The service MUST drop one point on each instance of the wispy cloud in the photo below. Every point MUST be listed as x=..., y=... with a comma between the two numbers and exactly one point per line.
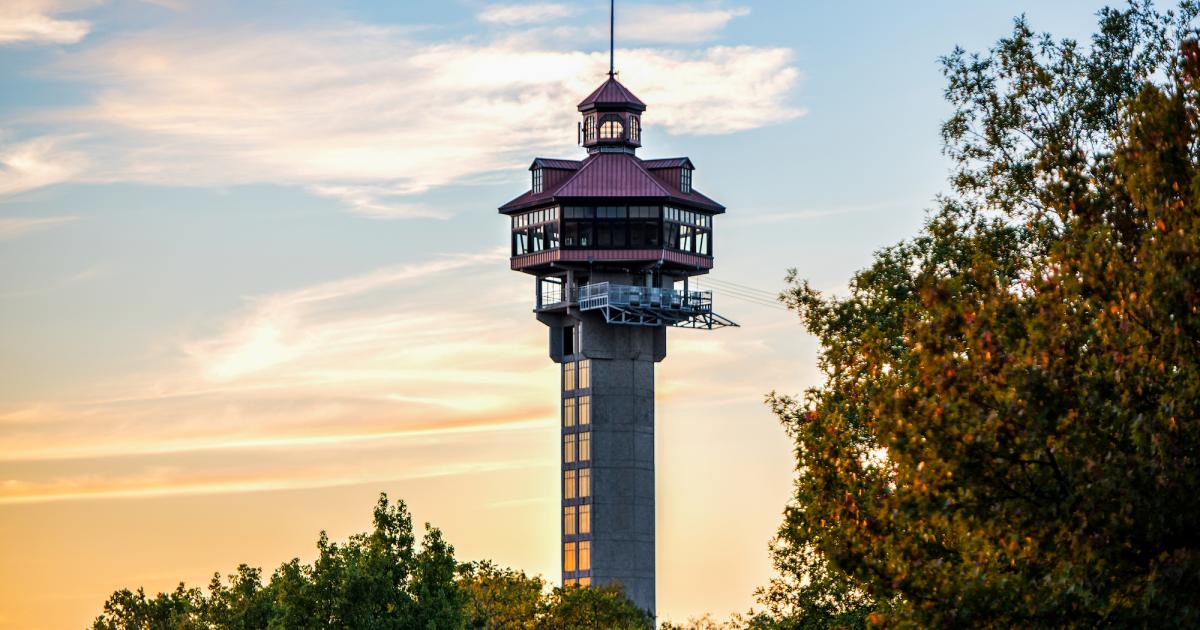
x=13, y=227
x=359, y=370
x=38, y=162
x=536, y=13
x=167, y=482
x=34, y=22
x=676, y=23
x=371, y=117
x=379, y=202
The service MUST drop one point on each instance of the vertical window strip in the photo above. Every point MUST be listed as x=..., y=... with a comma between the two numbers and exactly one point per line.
x=568, y=376
x=569, y=528
x=585, y=483
x=583, y=415
x=585, y=373
x=569, y=557
x=569, y=477
x=569, y=412
x=585, y=446
x=569, y=448
x=585, y=519
x=585, y=556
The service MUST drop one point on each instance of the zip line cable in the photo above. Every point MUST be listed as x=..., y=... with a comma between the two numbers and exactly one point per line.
x=743, y=293
x=735, y=285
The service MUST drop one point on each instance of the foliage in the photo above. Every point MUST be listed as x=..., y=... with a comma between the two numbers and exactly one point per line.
x=376, y=580
x=1008, y=431
x=597, y=607
x=500, y=598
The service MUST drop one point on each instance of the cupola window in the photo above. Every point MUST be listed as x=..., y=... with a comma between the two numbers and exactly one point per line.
x=612, y=129
x=589, y=129
x=537, y=180
x=685, y=180
x=635, y=129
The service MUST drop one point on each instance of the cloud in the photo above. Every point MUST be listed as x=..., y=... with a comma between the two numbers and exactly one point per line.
x=371, y=117
x=536, y=13
x=292, y=326
x=393, y=349
x=32, y=22
x=36, y=163
x=675, y=23
x=379, y=202
x=13, y=227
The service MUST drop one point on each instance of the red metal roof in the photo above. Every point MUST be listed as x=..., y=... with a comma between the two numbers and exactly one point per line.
x=566, y=165
x=608, y=175
x=612, y=93
x=678, y=162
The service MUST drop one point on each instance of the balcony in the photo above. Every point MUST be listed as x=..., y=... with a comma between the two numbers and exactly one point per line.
x=628, y=305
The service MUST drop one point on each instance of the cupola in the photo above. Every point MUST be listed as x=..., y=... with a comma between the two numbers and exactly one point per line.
x=612, y=119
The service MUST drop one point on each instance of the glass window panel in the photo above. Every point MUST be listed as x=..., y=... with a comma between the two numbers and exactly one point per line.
x=569, y=520
x=569, y=412
x=612, y=129
x=652, y=231
x=569, y=448
x=585, y=581
x=569, y=477
x=585, y=483
x=585, y=446
x=585, y=373
x=585, y=555
x=603, y=235
x=572, y=582
x=569, y=556
x=637, y=236
x=585, y=519
x=583, y=414
x=568, y=376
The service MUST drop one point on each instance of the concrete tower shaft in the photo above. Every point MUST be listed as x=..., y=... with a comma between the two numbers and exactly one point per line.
x=611, y=241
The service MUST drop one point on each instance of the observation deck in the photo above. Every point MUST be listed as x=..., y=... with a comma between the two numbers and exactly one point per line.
x=638, y=306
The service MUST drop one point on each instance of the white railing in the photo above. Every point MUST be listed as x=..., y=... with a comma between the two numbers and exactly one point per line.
x=603, y=294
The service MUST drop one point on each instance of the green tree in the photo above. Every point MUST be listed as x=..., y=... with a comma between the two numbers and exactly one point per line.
x=595, y=608
x=439, y=600
x=496, y=598
x=243, y=605
x=375, y=580
x=1008, y=431
x=127, y=610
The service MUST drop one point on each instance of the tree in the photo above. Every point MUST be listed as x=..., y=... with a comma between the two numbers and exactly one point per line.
x=1008, y=431
x=496, y=598
x=594, y=608
x=375, y=580
x=127, y=610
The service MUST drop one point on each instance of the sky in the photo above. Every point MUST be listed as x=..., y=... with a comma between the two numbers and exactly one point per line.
x=252, y=273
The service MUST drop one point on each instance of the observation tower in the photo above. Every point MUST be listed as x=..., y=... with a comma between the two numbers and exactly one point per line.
x=611, y=241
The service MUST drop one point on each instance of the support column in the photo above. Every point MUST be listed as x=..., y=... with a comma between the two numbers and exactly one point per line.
x=608, y=456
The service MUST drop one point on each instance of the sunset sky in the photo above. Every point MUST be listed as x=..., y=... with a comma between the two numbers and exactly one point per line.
x=252, y=273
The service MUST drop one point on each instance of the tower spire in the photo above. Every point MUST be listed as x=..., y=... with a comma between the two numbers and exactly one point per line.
x=612, y=36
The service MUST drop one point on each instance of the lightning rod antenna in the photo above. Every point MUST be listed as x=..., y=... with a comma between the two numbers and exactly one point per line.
x=612, y=37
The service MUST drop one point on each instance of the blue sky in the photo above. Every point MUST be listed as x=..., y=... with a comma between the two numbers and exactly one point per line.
x=251, y=250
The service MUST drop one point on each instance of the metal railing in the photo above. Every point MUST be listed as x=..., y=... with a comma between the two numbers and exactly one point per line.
x=602, y=294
